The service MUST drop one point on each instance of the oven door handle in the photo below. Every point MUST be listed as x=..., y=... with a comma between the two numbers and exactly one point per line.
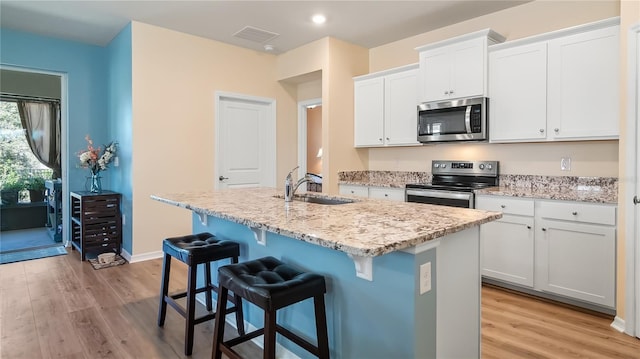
x=440, y=194
x=467, y=119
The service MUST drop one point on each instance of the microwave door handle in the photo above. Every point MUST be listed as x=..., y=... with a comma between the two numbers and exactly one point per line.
x=467, y=119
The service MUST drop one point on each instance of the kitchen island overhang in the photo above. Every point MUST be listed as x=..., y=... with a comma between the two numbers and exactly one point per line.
x=394, y=315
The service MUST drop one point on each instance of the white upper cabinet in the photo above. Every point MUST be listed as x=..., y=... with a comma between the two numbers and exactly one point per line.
x=584, y=79
x=369, y=112
x=385, y=108
x=455, y=68
x=518, y=93
x=558, y=86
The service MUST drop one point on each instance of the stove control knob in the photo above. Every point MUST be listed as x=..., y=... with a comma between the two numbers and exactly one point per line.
x=437, y=165
x=489, y=166
x=481, y=166
x=444, y=165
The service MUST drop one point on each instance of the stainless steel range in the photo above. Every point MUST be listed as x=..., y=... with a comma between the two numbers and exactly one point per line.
x=453, y=183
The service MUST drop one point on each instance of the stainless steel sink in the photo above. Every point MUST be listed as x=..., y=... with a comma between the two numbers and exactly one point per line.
x=320, y=200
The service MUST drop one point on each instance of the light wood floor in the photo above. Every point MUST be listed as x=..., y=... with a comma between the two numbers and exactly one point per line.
x=61, y=307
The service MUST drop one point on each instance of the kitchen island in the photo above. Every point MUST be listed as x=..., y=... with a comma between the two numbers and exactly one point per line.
x=403, y=279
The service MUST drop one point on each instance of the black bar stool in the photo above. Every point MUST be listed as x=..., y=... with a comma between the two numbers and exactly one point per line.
x=271, y=285
x=192, y=250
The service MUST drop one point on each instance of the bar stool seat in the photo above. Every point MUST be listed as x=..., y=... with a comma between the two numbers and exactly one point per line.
x=271, y=285
x=195, y=249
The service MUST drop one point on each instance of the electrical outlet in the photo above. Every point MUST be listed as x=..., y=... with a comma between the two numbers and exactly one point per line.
x=425, y=277
x=565, y=163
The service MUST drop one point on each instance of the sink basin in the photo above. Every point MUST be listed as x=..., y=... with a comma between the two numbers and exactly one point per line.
x=320, y=200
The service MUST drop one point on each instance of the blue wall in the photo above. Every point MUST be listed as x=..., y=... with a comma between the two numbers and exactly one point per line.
x=85, y=67
x=99, y=100
x=119, y=116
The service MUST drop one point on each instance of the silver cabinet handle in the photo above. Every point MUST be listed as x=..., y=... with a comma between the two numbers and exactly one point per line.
x=544, y=229
x=556, y=129
x=380, y=139
x=574, y=213
x=450, y=92
x=387, y=138
x=222, y=178
x=446, y=92
x=528, y=227
x=386, y=195
x=636, y=200
x=542, y=130
x=502, y=206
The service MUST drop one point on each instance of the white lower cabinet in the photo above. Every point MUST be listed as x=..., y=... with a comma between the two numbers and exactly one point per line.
x=354, y=190
x=566, y=248
x=507, y=244
x=395, y=194
x=576, y=257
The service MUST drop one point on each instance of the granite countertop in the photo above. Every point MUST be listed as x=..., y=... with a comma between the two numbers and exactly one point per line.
x=595, y=195
x=565, y=188
x=366, y=227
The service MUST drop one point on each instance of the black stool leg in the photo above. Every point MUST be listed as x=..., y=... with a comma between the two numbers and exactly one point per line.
x=321, y=327
x=164, y=289
x=269, y=334
x=208, y=285
x=237, y=301
x=191, y=310
x=218, y=329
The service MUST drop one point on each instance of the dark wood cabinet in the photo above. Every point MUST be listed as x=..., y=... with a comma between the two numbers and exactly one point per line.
x=96, y=222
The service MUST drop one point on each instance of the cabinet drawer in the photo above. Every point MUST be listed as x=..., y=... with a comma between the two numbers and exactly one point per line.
x=507, y=205
x=578, y=212
x=353, y=190
x=395, y=194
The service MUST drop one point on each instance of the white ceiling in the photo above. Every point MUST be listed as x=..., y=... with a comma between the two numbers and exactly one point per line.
x=365, y=23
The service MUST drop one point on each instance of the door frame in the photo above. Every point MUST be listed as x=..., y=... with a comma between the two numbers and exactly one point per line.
x=64, y=143
x=302, y=131
x=270, y=134
x=632, y=229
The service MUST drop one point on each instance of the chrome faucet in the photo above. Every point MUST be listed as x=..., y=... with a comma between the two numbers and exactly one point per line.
x=290, y=188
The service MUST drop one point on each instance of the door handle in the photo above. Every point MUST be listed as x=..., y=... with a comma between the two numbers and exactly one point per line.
x=222, y=178
x=636, y=200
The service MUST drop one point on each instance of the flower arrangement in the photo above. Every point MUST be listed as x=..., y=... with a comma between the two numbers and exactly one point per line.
x=93, y=160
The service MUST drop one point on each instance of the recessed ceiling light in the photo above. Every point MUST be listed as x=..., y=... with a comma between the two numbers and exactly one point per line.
x=268, y=47
x=319, y=19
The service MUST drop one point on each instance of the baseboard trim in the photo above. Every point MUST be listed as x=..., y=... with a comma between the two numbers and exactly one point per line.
x=618, y=324
x=282, y=352
x=140, y=257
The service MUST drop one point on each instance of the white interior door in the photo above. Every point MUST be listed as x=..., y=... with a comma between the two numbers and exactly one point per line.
x=636, y=159
x=632, y=181
x=245, y=141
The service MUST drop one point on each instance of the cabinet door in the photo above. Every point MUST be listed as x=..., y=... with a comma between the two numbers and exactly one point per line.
x=368, y=112
x=400, y=108
x=395, y=194
x=435, y=79
x=507, y=249
x=518, y=93
x=576, y=260
x=354, y=190
x=584, y=81
x=468, y=68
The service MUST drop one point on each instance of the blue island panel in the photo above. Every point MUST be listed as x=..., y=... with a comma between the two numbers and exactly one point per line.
x=383, y=318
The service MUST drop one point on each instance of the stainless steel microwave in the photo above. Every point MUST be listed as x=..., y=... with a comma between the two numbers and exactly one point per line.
x=456, y=120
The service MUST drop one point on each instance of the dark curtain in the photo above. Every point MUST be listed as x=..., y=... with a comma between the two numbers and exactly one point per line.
x=41, y=120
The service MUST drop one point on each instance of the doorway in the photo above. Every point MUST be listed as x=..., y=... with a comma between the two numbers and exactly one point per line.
x=310, y=151
x=245, y=137
x=33, y=134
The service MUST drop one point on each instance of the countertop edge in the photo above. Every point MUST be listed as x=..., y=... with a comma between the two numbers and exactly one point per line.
x=363, y=252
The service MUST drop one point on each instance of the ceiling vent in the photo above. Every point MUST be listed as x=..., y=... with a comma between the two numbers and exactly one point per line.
x=256, y=35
